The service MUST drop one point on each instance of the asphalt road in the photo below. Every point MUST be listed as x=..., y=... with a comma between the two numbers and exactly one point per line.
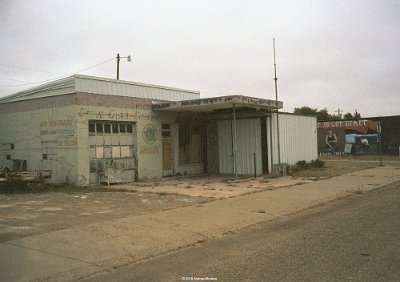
x=357, y=239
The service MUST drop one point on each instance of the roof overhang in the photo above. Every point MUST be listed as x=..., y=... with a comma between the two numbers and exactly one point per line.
x=216, y=103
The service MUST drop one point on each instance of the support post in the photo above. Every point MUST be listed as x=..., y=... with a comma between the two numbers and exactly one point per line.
x=270, y=142
x=235, y=169
x=380, y=142
x=278, y=141
x=255, y=165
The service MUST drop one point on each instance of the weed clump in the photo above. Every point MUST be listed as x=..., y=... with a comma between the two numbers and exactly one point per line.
x=303, y=165
x=317, y=163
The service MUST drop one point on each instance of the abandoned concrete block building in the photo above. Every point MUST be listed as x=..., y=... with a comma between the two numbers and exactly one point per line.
x=85, y=128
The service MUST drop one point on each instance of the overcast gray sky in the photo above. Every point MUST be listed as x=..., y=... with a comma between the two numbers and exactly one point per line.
x=330, y=53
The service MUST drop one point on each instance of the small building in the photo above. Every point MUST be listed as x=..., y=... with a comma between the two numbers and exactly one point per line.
x=390, y=134
x=88, y=130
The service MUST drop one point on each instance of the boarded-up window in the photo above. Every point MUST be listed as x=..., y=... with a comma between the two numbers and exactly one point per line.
x=107, y=152
x=190, y=143
x=99, y=152
x=125, y=151
x=116, y=151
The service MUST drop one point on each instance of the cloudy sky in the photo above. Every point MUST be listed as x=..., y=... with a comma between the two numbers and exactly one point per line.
x=330, y=53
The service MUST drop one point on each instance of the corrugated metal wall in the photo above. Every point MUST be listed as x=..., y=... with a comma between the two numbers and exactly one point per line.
x=298, y=138
x=225, y=145
x=211, y=147
x=131, y=89
x=248, y=142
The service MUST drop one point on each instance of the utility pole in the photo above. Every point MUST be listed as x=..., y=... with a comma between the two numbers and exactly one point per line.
x=234, y=153
x=118, y=60
x=339, y=112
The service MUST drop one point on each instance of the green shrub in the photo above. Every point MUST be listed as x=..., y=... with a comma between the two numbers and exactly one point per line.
x=302, y=165
x=317, y=163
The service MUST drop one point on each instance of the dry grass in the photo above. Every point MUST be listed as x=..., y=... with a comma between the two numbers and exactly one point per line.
x=374, y=158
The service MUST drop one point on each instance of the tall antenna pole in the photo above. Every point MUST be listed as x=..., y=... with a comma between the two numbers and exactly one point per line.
x=277, y=114
x=276, y=79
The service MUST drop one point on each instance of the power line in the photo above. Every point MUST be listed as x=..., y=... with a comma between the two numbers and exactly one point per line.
x=30, y=83
x=47, y=80
x=25, y=68
x=95, y=65
x=6, y=78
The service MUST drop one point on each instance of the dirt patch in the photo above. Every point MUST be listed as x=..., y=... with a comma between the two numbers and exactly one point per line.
x=29, y=214
x=36, y=212
x=217, y=187
x=222, y=187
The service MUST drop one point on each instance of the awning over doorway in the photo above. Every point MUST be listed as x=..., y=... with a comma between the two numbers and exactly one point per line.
x=215, y=103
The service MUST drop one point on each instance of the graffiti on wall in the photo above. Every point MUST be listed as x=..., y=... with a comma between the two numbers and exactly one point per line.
x=149, y=135
x=82, y=180
x=117, y=115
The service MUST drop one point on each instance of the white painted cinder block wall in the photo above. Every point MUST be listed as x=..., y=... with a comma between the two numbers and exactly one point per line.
x=148, y=152
x=29, y=130
x=68, y=126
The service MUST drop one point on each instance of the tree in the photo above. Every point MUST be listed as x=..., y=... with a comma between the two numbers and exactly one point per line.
x=323, y=114
x=348, y=116
x=305, y=110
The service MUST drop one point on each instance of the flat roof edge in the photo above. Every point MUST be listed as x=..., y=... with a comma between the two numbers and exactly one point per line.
x=239, y=100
